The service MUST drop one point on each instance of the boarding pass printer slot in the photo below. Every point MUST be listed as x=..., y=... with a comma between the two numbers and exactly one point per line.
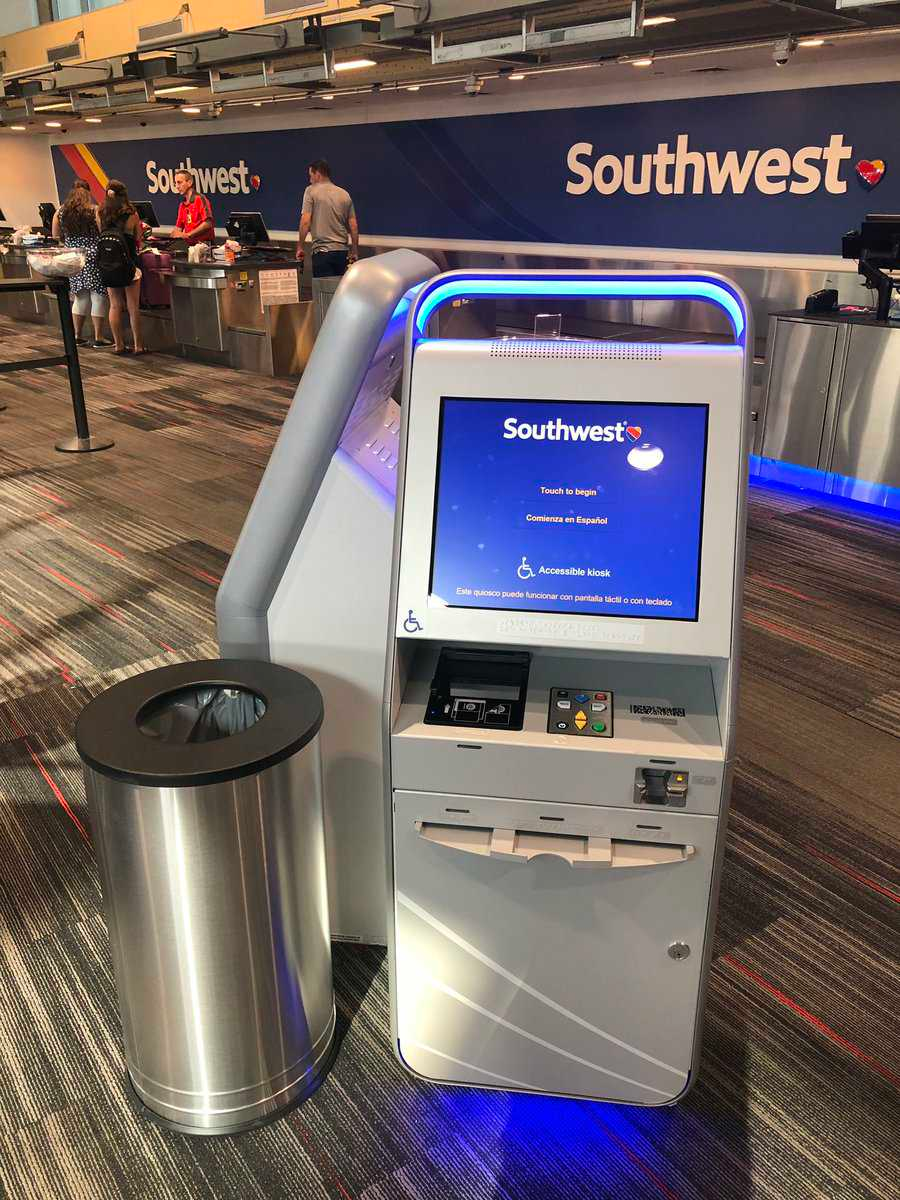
x=522, y=845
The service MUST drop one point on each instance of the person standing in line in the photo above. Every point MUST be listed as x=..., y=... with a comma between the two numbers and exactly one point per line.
x=194, y=222
x=329, y=216
x=75, y=225
x=117, y=258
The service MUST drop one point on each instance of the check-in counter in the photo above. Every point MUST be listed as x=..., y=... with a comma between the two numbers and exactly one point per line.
x=832, y=395
x=35, y=307
x=243, y=315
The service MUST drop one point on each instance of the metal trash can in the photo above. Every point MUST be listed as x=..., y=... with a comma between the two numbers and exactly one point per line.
x=205, y=794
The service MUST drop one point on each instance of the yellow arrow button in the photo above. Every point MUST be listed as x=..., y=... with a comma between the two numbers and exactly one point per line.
x=580, y=720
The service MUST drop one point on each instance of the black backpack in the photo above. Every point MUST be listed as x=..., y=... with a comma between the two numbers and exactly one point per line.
x=114, y=260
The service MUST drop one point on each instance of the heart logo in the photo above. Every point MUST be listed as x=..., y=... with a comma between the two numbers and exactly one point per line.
x=871, y=171
x=634, y=432
x=255, y=182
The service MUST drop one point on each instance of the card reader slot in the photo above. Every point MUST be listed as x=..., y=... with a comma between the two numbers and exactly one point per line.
x=522, y=845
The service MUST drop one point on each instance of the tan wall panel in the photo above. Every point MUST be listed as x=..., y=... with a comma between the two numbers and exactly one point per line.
x=112, y=31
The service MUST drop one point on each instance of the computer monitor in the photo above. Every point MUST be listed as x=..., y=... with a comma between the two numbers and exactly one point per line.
x=147, y=213
x=248, y=228
x=47, y=211
x=570, y=507
x=876, y=245
x=586, y=505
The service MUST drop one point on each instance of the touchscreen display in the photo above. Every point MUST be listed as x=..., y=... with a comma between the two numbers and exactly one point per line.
x=561, y=506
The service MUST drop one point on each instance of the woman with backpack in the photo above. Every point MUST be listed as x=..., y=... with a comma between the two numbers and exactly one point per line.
x=117, y=259
x=75, y=225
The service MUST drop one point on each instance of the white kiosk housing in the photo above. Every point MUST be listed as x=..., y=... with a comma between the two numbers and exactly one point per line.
x=308, y=583
x=560, y=693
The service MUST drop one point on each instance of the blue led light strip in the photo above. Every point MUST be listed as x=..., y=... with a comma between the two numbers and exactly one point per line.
x=642, y=287
x=836, y=488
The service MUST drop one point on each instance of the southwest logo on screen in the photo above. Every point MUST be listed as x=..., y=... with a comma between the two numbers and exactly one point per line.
x=680, y=171
x=560, y=431
x=224, y=181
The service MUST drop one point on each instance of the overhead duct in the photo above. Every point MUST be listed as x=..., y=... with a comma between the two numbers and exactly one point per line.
x=529, y=38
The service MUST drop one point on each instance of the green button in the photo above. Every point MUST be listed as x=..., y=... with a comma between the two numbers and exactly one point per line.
x=598, y=727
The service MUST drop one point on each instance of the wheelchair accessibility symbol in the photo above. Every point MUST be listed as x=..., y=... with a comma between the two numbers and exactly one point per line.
x=412, y=624
x=524, y=570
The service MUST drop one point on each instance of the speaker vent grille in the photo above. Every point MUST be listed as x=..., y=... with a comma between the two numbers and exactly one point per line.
x=522, y=348
x=62, y=53
x=160, y=29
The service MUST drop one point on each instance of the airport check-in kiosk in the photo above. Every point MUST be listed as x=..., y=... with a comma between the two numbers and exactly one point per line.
x=309, y=580
x=560, y=694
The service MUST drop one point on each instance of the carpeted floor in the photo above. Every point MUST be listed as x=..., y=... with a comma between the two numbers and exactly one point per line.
x=109, y=564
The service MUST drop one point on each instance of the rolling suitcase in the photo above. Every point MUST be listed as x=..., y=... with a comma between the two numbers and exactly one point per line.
x=156, y=290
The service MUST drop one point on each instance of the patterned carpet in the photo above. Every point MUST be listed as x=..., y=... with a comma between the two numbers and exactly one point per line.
x=109, y=564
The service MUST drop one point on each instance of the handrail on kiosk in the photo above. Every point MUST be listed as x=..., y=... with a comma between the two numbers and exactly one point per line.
x=673, y=285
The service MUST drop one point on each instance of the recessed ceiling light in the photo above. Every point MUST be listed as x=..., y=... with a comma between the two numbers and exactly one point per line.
x=327, y=96
x=642, y=62
x=810, y=43
x=94, y=120
x=355, y=64
x=413, y=87
x=658, y=21
x=53, y=124
x=178, y=87
x=516, y=75
x=257, y=103
x=18, y=128
x=190, y=108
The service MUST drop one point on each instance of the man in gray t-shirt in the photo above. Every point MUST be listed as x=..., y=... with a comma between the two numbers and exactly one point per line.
x=328, y=215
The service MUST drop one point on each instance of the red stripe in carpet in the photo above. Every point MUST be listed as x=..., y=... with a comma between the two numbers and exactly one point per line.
x=51, y=783
x=816, y=1023
x=661, y=1186
x=863, y=879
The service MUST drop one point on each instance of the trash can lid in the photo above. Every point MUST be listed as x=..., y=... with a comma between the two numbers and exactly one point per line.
x=199, y=723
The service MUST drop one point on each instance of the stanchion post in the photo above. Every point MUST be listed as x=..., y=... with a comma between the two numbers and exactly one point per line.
x=82, y=440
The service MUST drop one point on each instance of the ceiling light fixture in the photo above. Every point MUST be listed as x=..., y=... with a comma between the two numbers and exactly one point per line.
x=178, y=87
x=413, y=87
x=94, y=120
x=18, y=128
x=811, y=43
x=517, y=75
x=53, y=124
x=658, y=21
x=190, y=108
x=50, y=107
x=641, y=62
x=327, y=96
x=355, y=64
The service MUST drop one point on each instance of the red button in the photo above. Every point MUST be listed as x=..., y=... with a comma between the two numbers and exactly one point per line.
x=599, y=695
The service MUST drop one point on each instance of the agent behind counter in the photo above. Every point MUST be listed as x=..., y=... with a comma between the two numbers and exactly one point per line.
x=195, y=217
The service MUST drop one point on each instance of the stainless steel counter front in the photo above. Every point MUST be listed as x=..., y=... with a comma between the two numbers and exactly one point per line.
x=832, y=395
x=219, y=317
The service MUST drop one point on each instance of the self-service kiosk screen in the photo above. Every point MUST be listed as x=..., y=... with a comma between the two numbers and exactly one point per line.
x=561, y=506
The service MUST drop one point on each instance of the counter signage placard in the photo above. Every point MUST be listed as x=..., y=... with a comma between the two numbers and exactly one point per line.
x=279, y=286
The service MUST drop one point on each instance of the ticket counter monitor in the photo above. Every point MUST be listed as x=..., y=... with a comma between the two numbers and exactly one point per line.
x=309, y=580
x=560, y=695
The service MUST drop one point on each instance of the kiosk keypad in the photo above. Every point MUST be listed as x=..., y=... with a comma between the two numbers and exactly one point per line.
x=581, y=712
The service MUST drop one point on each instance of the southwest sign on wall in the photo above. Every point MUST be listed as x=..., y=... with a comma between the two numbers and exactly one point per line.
x=767, y=172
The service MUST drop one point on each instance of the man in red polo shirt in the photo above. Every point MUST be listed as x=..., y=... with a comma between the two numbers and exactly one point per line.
x=195, y=219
